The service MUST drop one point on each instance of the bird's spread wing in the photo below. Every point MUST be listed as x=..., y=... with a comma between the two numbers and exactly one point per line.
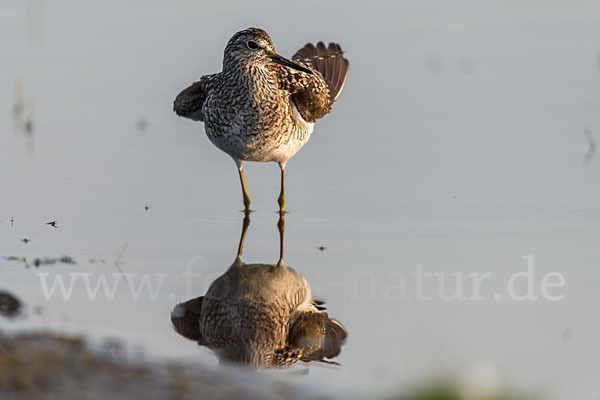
x=313, y=95
x=330, y=63
x=190, y=101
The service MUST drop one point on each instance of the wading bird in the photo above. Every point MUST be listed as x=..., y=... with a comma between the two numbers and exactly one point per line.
x=262, y=106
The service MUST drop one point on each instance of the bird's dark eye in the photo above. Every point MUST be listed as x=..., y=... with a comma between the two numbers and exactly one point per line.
x=252, y=45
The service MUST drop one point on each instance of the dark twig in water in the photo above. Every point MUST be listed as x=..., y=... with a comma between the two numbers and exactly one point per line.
x=42, y=261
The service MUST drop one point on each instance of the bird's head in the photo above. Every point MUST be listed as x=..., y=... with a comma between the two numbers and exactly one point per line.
x=253, y=47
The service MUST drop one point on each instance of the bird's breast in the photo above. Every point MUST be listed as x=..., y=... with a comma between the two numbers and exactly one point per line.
x=255, y=122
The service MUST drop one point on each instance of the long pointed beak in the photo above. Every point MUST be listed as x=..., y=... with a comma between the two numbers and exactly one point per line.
x=276, y=58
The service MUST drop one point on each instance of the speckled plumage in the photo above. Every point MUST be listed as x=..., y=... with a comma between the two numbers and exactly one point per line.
x=257, y=110
x=262, y=107
x=261, y=316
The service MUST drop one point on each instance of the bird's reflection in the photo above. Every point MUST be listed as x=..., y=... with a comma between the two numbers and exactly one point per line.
x=260, y=315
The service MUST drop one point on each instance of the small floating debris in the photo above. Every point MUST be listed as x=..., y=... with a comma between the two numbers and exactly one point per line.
x=321, y=248
x=10, y=306
x=52, y=223
x=50, y=261
x=39, y=261
x=25, y=240
x=15, y=258
x=46, y=261
x=146, y=208
x=66, y=260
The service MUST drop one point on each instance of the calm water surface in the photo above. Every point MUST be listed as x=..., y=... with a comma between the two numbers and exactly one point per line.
x=456, y=148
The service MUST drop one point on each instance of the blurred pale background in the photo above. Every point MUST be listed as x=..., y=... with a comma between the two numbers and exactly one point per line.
x=457, y=145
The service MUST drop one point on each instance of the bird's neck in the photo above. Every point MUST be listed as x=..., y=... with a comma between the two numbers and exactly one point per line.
x=251, y=77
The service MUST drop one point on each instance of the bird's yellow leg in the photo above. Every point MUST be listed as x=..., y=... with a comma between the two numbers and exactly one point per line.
x=281, y=199
x=281, y=227
x=245, y=226
x=244, y=189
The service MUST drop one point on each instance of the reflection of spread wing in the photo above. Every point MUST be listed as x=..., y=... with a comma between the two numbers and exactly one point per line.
x=185, y=318
x=330, y=62
x=190, y=101
x=335, y=336
x=317, y=335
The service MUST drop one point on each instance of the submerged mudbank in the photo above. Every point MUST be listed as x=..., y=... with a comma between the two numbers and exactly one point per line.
x=44, y=365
